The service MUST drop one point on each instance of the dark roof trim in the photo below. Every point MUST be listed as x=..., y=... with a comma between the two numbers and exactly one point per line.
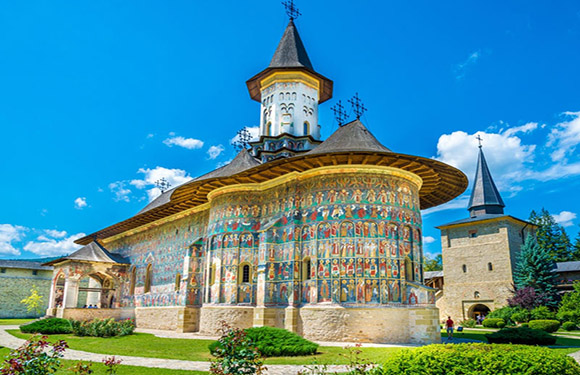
x=24, y=264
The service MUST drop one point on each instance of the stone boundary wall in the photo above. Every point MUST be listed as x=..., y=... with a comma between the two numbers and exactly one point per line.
x=90, y=314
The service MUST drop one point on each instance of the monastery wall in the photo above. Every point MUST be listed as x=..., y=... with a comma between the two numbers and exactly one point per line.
x=15, y=285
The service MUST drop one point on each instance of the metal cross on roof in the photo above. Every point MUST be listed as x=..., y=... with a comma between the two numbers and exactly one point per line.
x=243, y=139
x=339, y=113
x=357, y=106
x=291, y=9
x=479, y=139
x=162, y=184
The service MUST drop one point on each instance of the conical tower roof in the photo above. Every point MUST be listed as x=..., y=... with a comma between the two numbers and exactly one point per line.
x=351, y=137
x=485, y=198
x=291, y=52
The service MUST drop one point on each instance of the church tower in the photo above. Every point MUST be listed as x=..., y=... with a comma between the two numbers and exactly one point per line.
x=289, y=91
x=480, y=252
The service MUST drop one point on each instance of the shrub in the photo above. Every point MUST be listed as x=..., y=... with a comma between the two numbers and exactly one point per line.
x=493, y=322
x=475, y=359
x=542, y=313
x=525, y=325
x=274, y=342
x=235, y=354
x=469, y=323
x=49, y=326
x=569, y=310
x=522, y=316
x=103, y=327
x=569, y=326
x=545, y=325
x=34, y=358
x=500, y=325
x=528, y=298
x=521, y=335
x=504, y=313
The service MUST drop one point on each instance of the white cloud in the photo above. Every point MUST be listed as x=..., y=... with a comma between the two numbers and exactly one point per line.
x=565, y=136
x=44, y=246
x=175, y=177
x=254, y=132
x=428, y=239
x=215, y=151
x=565, y=218
x=526, y=128
x=55, y=233
x=460, y=202
x=461, y=68
x=80, y=203
x=122, y=194
x=150, y=135
x=188, y=143
x=8, y=234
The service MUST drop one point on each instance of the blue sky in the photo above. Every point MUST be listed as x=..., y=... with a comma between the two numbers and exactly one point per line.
x=100, y=99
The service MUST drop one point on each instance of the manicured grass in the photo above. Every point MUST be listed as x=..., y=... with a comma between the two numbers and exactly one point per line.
x=14, y=322
x=99, y=368
x=480, y=335
x=147, y=345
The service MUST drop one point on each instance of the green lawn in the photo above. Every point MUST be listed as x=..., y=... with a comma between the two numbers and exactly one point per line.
x=99, y=368
x=147, y=345
x=16, y=322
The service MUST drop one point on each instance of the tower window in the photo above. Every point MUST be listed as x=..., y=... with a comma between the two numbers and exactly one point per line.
x=490, y=266
x=464, y=267
x=472, y=233
x=269, y=129
x=306, y=128
x=35, y=272
x=476, y=295
x=281, y=96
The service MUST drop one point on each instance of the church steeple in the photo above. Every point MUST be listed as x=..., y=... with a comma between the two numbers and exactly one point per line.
x=485, y=198
x=291, y=52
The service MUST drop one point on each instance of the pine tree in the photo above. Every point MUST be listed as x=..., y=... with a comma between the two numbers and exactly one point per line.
x=551, y=236
x=435, y=264
x=563, y=245
x=575, y=251
x=534, y=269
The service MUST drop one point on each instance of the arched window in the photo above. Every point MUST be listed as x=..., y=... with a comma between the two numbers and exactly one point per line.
x=306, y=128
x=132, y=280
x=212, y=274
x=306, y=269
x=490, y=266
x=287, y=96
x=293, y=96
x=269, y=129
x=476, y=295
x=245, y=273
x=281, y=96
x=148, y=281
x=409, y=274
x=464, y=267
x=177, y=282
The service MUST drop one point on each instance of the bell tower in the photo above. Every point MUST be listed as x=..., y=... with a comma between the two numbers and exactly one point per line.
x=289, y=91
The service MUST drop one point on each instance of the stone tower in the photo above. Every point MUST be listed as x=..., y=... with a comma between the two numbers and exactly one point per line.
x=289, y=91
x=480, y=252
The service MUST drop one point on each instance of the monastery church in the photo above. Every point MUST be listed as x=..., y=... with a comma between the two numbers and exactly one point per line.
x=320, y=237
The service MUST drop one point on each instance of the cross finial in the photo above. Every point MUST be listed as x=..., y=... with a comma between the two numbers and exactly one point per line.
x=162, y=184
x=357, y=106
x=243, y=139
x=291, y=9
x=479, y=139
x=339, y=113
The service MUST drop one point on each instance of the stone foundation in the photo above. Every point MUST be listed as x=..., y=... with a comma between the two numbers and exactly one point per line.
x=90, y=314
x=175, y=318
x=237, y=316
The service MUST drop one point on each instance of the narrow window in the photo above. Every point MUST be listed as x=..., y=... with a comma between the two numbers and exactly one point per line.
x=490, y=266
x=476, y=295
x=246, y=273
x=269, y=129
x=306, y=128
x=409, y=275
x=212, y=275
x=177, y=282
x=3, y=270
x=306, y=269
x=472, y=233
x=281, y=96
x=132, y=281
x=35, y=272
x=147, y=286
x=464, y=268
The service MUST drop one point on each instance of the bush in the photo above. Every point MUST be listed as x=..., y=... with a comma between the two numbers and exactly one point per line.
x=569, y=310
x=545, y=325
x=522, y=316
x=235, y=353
x=569, y=326
x=493, y=322
x=521, y=335
x=525, y=325
x=469, y=323
x=103, y=327
x=542, y=313
x=49, y=326
x=504, y=313
x=475, y=359
x=500, y=325
x=34, y=357
x=275, y=342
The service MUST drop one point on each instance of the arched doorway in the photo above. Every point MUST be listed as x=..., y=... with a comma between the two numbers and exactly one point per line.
x=478, y=310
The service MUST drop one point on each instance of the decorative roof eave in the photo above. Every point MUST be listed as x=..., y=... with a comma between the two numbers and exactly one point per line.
x=326, y=85
x=285, y=135
x=489, y=218
x=92, y=252
x=441, y=183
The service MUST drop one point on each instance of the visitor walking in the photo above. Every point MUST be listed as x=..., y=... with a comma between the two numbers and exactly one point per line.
x=449, y=326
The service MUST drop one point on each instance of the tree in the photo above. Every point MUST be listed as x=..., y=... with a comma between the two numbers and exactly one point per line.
x=435, y=264
x=575, y=252
x=569, y=310
x=534, y=269
x=551, y=236
x=34, y=302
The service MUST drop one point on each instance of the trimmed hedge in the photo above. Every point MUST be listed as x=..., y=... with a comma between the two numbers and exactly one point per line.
x=493, y=322
x=521, y=335
x=49, y=326
x=275, y=342
x=479, y=359
x=569, y=326
x=545, y=325
x=103, y=327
